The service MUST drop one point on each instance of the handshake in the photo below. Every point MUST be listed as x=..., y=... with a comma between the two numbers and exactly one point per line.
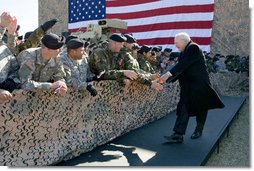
x=158, y=81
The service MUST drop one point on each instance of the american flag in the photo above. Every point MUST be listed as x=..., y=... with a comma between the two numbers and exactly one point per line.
x=152, y=22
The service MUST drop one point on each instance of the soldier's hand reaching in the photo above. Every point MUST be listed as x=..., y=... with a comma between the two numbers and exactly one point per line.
x=12, y=27
x=48, y=24
x=163, y=78
x=5, y=95
x=155, y=76
x=6, y=19
x=59, y=87
x=130, y=74
x=156, y=86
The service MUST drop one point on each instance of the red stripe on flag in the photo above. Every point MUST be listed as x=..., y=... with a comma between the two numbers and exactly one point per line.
x=118, y=3
x=170, y=26
x=170, y=40
x=163, y=11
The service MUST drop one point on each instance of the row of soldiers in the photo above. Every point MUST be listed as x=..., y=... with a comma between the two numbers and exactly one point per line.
x=49, y=62
x=221, y=63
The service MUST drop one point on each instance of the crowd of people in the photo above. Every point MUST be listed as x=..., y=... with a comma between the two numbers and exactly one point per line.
x=50, y=62
x=233, y=63
x=55, y=63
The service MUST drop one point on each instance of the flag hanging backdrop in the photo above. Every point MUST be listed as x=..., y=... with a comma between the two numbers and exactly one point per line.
x=152, y=22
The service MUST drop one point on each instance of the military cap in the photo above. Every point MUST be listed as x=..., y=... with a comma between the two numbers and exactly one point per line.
x=130, y=38
x=145, y=48
x=53, y=41
x=135, y=47
x=27, y=35
x=168, y=50
x=117, y=37
x=75, y=44
x=68, y=38
x=156, y=49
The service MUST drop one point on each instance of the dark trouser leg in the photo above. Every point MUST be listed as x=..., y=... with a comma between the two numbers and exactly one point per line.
x=181, y=120
x=200, y=119
x=8, y=84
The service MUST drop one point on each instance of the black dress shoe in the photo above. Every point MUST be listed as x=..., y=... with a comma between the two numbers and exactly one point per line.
x=174, y=138
x=196, y=134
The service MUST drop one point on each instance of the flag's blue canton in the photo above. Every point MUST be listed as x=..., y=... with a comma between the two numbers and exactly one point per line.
x=83, y=10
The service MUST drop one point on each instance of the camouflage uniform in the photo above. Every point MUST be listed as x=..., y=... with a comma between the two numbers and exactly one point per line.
x=76, y=72
x=2, y=31
x=8, y=65
x=103, y=59
x=32, y=42
x=145, y=64
x=35, y=73
x=127, y=62
x=156, y=65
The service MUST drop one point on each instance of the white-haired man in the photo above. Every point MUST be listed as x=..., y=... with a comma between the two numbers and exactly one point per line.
x=196, y=94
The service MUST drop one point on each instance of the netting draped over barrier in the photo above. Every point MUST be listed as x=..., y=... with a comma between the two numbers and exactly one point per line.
x=41, y=128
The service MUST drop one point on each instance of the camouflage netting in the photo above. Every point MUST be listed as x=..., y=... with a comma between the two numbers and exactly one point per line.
x=40, y=128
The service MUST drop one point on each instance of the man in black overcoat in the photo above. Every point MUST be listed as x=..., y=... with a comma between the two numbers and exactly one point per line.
x=196, y=94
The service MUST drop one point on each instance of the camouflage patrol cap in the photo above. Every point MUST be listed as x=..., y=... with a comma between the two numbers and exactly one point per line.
x=53, y=41
x=130, y=38
x=75, y=44
x=117, y=37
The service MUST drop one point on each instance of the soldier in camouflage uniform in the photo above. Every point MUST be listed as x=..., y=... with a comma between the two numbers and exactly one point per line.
x=8, y=64
x=128, y=62
x=41, y=68
x=107, y=60
x=156, y=61
x=32, y=41
x=143, y=54
x=76, y=67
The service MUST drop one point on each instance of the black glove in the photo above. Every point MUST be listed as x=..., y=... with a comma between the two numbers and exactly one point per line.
x=49, y=24
x=92, y=91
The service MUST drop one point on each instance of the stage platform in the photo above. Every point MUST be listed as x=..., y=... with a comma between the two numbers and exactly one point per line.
x=146, y=146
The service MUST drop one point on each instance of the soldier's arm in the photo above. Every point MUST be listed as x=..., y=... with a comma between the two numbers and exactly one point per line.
x=32, y=41
x=59, y=75
x=26, y=75
x=14, y=70
x=71, y=78
x=99, y=64
x=2, y=31
x=132, y=64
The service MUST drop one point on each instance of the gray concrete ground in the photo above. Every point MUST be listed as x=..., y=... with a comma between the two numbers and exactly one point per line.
x=234, y=149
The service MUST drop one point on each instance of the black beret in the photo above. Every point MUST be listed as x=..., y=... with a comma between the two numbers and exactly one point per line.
x=156, y=49
x=167, y=50
x=117, y=37
x=135, y=47
x=27, y=35
x=53, y=41
x=68, y=38
x=130, y=38
x=145, y=48
x=75, y=44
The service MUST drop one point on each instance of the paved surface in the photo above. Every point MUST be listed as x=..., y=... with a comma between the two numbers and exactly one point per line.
x=235, y=148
